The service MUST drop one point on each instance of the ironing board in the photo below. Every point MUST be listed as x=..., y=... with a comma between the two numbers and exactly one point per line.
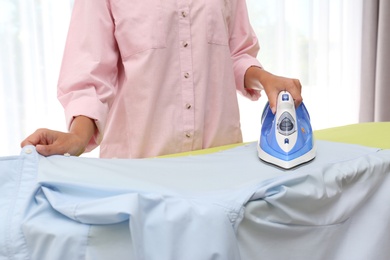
x=372, y=134
x=222, y=204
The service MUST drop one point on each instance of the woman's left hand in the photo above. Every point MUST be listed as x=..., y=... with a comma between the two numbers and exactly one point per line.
x=273, y=85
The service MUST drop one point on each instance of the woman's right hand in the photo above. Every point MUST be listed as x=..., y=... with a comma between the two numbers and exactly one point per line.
x=49, y=142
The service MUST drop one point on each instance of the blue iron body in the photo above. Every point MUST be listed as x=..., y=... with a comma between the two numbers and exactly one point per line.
x=286, y=138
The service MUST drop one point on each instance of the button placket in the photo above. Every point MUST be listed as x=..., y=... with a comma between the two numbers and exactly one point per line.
x=186, y=74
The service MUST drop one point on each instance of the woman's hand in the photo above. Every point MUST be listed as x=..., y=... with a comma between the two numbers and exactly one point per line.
x=49, y=142
x=273, y=85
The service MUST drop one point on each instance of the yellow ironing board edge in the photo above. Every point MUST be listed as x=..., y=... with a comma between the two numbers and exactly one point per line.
x=372, y=134
x=205, y=151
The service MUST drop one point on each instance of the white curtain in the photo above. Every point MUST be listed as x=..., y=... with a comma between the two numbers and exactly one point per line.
x=32, y=34
x=317, y=41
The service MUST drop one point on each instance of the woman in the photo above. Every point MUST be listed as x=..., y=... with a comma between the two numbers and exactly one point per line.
x=152, y=77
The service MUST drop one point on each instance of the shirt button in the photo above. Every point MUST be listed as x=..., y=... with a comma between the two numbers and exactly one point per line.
x=188, y=135
x=184, y=14
x=186, y=75
x=188, y=106
x=185, y=44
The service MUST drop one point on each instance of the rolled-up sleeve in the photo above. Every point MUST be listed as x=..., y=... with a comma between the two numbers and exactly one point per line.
x=244, y=45
x=88, y=76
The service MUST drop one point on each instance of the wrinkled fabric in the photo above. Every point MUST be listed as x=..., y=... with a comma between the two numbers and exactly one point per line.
x=227, y=205
x=158, y=77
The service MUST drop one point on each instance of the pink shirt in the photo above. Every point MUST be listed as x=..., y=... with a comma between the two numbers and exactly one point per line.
x=158, y=77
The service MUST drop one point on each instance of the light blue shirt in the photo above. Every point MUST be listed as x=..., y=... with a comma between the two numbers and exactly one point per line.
x=227, y=205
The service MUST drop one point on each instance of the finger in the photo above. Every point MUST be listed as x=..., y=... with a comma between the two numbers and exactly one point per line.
x=272, y=99
x=25, y=143
x=51, y=149
x=61, y=147
x=34, y=139
x=295, y=91
x=253, y=94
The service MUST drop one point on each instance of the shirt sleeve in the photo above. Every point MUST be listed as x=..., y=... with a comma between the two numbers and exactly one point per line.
x=243, y=44
x=88, y=76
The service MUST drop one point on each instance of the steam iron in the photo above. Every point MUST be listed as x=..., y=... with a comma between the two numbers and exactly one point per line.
x=286, y=138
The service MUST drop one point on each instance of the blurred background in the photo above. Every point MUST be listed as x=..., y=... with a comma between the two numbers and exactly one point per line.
x=317, y=41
